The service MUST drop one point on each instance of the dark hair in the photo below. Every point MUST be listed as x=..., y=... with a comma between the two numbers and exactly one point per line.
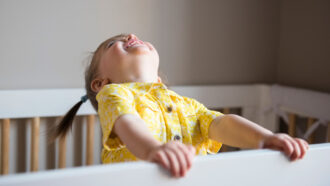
x=66, y=122
x=91, y=72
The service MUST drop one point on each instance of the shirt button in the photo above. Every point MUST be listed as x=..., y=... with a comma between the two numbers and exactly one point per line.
x=177, y=137
x=169, y=109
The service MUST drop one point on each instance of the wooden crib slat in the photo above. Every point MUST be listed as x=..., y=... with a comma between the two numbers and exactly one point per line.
x=35, y=128
x=62, y=152
x=5, y=146
x=310, y=122
x=292, y=125
x=90, y=139
x=226, y=110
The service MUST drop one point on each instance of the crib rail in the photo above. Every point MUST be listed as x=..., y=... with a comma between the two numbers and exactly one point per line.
x=290, y=103
x=259, y=103
x=232, y=168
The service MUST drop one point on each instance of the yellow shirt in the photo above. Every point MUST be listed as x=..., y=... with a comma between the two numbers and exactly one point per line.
x=167, y=115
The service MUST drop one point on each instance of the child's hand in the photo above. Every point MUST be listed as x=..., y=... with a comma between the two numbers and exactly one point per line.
x=174, y=156
x=294, y=148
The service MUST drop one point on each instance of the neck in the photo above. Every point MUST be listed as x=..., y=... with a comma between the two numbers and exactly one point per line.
x=140, y=80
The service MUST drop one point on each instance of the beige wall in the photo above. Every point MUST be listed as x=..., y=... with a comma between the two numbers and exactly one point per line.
x=304, y=53
x=44, y=43
x=236, y=42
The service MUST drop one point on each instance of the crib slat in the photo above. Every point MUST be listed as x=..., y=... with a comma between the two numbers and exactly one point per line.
x=5, y=146
x=226, y=110
x=310, y=122
x=62, y=152
x=90, y=139
x=35, y=144
x=292, y=125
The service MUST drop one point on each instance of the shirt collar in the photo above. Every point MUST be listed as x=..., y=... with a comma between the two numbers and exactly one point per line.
x=144, y=87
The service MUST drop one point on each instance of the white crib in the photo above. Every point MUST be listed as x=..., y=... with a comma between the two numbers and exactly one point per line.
x=250, y=167
x=37, y=110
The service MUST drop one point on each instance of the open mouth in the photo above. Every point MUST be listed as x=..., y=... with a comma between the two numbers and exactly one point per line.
x=133, y=42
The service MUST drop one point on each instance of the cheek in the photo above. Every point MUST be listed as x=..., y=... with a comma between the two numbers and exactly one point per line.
x=107, y=66
x=103, y=68
x=118, y=49
x=113, y=65
x=118, y=57
x=115, y=56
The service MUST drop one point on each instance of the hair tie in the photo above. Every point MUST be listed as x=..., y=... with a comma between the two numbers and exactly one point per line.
x=84, y=98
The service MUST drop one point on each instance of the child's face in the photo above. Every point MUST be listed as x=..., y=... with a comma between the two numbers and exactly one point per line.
x=129, y=59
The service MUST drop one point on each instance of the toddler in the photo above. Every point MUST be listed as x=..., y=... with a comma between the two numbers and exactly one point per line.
x=142, y=119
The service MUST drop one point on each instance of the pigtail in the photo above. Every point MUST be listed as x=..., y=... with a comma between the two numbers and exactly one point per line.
x=91, y=73
x=66, y=123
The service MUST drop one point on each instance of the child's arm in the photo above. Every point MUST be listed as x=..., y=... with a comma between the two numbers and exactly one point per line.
x=239, y=132
x=134, y=133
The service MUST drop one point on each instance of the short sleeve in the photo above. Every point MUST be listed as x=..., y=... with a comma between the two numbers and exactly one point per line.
x=113, y=102
x=205, y=118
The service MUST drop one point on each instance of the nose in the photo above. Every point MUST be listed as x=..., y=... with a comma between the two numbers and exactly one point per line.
x=131, y=36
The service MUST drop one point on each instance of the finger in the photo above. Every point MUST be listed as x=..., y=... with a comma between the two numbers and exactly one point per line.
x=280, y=143
x=188, y=155
x=274, y=143
x=296, y=149
x=287, y=146
x=306, y=144
x=173, y=162
x=302, y=146
x=192, y=149
x=181, y=158
x=162, y=158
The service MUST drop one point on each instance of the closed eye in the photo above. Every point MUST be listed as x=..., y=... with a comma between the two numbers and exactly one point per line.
x=123, y=39
x=110, y=44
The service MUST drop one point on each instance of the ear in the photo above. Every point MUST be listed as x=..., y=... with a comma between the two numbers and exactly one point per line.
x=159, y=80
x=98, y=83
